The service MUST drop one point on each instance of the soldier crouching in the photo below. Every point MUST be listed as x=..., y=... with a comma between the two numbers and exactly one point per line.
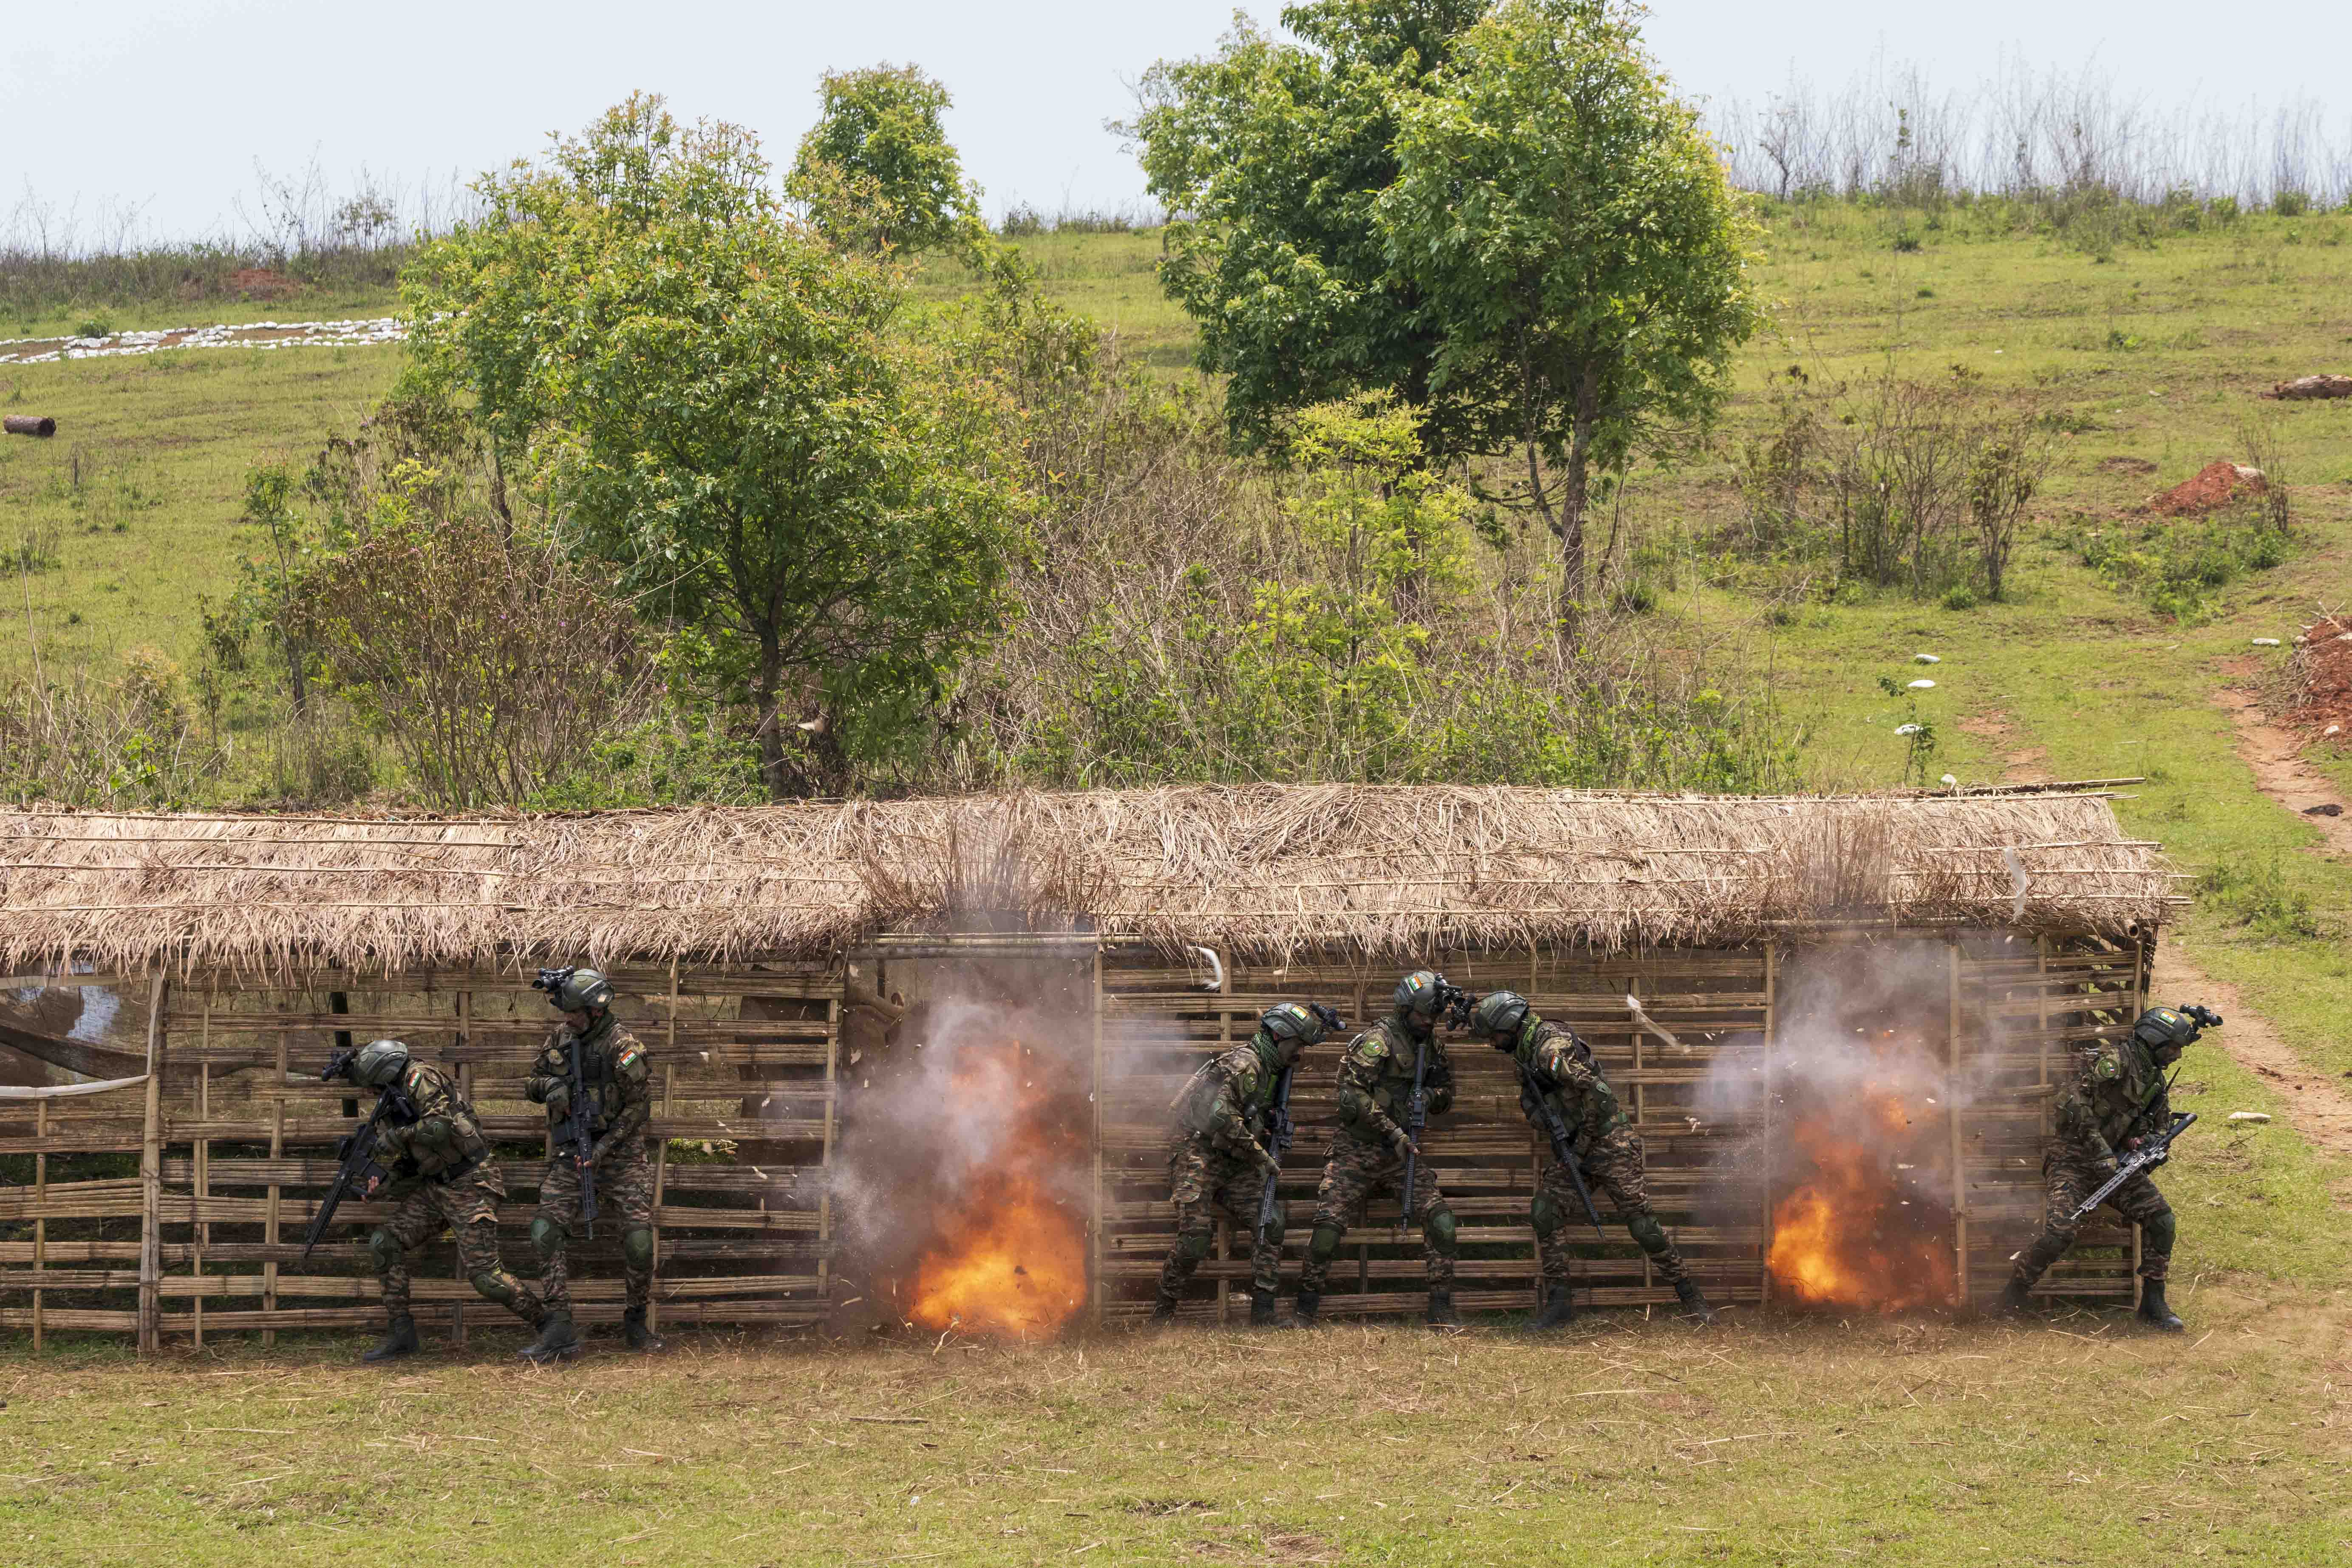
x=2117, y=1100
x=442, y=1175
x=1554, y=1064
x=1219, y=1161
x=617, y=1074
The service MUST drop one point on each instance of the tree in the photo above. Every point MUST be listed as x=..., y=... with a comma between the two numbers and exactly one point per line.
x=1577, y=246
x=1271, y=157
x=716, y=400
x=878, y=172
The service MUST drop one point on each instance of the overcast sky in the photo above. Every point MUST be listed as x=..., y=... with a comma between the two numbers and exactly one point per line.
x=166, y=105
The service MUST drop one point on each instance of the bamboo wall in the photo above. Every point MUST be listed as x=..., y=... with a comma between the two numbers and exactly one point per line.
x=2009, y=1017
x=174, y=1208
x=233, y=1137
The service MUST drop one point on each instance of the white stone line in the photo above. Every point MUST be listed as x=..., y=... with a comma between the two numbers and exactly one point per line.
x=358, y=332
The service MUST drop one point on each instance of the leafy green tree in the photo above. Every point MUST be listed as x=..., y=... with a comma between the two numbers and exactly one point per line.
x=1577, y=249
x=1272, y=157
x=877, y=172
x=722, y=404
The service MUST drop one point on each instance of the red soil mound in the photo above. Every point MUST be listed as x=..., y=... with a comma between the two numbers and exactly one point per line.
x=2323, y=678
x=2215, y=486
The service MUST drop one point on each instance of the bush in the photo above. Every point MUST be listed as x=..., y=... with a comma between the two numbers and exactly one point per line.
x=1960, y=597
x=2258, y=897
x=2178, y=567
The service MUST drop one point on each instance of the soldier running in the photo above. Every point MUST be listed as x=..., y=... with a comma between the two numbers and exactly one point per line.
x=442, y=1175
x=1218, y=1161
x=1608, y=1149
x=2117, y=1098
x=617, y=1071
x=1369, y=1146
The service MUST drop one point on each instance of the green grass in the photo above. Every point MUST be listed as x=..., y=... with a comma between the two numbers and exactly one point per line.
x=1803, y=1443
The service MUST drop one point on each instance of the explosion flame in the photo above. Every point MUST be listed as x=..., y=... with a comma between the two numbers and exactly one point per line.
x=1009, y=1257
x=1868, y=1222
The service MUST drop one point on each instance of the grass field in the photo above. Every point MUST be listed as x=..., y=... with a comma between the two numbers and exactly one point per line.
x=1810, y=1442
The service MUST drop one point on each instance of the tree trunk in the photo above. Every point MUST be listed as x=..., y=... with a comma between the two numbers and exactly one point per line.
x=1575, y=493
x=772, y=723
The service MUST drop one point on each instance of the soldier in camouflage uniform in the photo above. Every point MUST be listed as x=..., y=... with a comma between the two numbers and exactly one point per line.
x=2117, y=1098
x=1218, y=1159
x=618, y=1077
x=442, y=1175
x=1553, y=1062
x=1369, y=1146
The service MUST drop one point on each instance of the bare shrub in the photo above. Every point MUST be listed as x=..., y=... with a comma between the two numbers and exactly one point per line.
x=83, y=743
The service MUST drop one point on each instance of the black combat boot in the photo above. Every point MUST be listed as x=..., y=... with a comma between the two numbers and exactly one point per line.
x=1557, y=1313
x=1163, y=1309
x=400, y=1339
x=1306, y=1310
x=1694, y=1305
x=1261, y=1308
x=634, y=1333
x=2016, y=1297
x=555, y=1340
x=1442, y=1314
x=2153, y=1310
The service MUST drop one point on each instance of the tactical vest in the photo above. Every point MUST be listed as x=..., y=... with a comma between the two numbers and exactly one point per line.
x=446, y=1140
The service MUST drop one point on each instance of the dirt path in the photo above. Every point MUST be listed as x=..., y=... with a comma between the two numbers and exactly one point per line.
x=2318, y=1106
x=2276, y=756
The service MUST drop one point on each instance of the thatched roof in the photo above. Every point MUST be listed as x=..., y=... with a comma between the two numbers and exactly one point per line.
x=1259, y=870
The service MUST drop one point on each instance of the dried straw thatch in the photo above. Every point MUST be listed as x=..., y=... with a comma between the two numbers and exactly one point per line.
x=1260, y=870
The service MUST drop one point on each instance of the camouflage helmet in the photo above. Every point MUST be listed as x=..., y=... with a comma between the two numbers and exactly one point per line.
x=1288, y=1021
x=1421, y=993
x=1499, y=1017
x=379, y=1063
x=2163, y=1030
x=580, y=989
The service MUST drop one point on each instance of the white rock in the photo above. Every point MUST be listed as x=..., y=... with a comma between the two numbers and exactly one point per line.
x=1909, y=728
x=1923, y=686
x=1925, y=658
x=2266, y=642
x=2250, y=1116
x=1950, y=781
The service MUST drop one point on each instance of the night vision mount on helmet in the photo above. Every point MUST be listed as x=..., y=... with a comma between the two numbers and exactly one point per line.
x=1310, y=1023
x=1498, y=1016
x=1425, y=994
x=373, y=1066
x=2173, y=1029
x=574, y=990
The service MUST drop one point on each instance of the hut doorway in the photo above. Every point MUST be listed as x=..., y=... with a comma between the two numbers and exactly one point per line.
x=965, y=1184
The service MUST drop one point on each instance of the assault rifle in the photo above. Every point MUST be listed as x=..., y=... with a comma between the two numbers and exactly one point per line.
x=2151, y=1153
x=1453, y=1008
x=1279, y=1127
x=1563, y=1149
x=361, y=1173
x=579, y=1120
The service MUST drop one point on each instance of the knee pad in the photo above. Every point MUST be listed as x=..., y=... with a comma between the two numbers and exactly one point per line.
x=496, y=1288
x=1276, y=1226
x=1324, y=1245
x=1439, y=1228
x=547, y=1238
x=1545, y=1214
x=1646, y=1230
x=2157, y=1232
x=385, y=1249
x=1193, y=1245
x=638, y=1247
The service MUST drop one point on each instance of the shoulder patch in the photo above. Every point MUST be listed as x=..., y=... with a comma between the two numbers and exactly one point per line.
x=1371, y=1046
x=631, y=1059
x=2105, y=1067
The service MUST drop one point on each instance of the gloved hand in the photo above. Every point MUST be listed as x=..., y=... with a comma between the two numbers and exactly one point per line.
x=559, y=1098
x=1402, y=1143
x=1266, y=1162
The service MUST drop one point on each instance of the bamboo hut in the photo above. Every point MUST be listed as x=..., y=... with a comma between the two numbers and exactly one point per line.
x=167, y=1198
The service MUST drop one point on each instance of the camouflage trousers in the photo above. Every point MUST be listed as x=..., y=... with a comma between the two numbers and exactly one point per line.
x=624, y=1203
x=468, y=1206
x=1355, y=1170
x=1612, y=1169
x=2068, y=1179
x=1204, y=1183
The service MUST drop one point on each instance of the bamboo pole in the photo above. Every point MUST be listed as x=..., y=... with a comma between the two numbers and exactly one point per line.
x=1641, y=1115
x=270, y=1225
x=1952, y=1123
x=824, y=1193
x=1094, y=1095
x=1225, y=1043
x=465, y=1092
x=151, y=1169
x=203, y=1163
x=1771, y=1040
x=40, y=1198
x=661, y=1145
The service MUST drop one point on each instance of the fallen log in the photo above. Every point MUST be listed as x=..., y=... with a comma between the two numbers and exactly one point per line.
x=29, y=424
x=2314, y=387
